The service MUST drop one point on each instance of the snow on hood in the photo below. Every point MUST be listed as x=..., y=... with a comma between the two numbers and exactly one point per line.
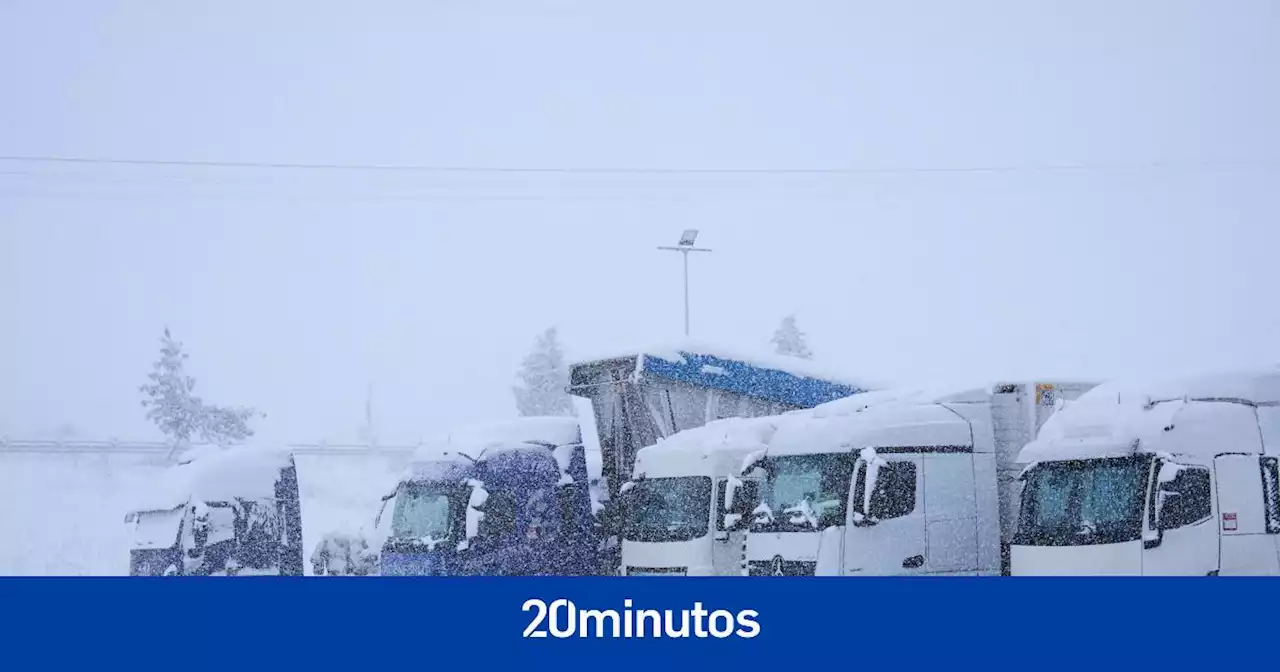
x=1176, y=416
x=216, y=474
x=718, y=434
x=727, y=441
x=438, y=466
x=805, y=368
x=157, y=529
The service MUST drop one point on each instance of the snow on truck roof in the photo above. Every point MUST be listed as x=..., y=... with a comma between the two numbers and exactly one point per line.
x=213, y=474
x=1125, y=417
x=715, y=448
x=790, y=380
x=453, y=455
x=957, y=394
x=861, y=402
x=882, y=425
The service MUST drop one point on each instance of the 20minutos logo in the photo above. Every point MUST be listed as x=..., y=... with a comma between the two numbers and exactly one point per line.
x=562, y=619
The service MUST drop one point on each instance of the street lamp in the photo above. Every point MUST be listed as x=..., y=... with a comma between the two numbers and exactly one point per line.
x=685, y=246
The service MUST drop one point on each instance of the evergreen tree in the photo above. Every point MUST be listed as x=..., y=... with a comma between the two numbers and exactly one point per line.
x=789, y=340
x=544, y=376
x=181, y=415
x=169, y=401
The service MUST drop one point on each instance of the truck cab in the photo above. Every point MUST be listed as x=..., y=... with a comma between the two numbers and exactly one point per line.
x=225, y=512
x=518, y=504
x=887, y=490
x=675, y=507
x=422, y=521
x=1166, y=478
x=906, y=482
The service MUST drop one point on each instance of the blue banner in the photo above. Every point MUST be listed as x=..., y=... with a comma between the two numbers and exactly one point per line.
x=600, y=625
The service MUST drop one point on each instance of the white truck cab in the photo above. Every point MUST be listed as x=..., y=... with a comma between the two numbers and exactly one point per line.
x=683, y=487
x=897, y=483
x=1174, y=478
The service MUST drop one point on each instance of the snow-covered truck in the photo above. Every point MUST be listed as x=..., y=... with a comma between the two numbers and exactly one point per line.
x=1180, y=477
x=674, y=507
x=509, y=499
x=220, y=511
x=891, y=483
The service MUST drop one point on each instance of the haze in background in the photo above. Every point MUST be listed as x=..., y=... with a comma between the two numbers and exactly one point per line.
x=1134, y=235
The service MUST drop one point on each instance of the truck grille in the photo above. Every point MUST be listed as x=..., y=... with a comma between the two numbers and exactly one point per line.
x=780, y=567
x=657, y=571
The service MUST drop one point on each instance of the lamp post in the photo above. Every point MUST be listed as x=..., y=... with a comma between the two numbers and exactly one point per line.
x=684, y=247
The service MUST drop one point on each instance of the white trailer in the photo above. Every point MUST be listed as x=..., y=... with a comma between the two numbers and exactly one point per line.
x=683, y=488
x=892, y=483
x=1172, y=478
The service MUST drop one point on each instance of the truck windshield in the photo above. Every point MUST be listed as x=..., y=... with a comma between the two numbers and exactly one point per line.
x=423, y=512
x=803, y=492
x=667, y=509
x=1083, y=502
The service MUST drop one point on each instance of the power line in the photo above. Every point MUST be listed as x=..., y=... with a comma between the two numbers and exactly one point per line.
x=553, y=170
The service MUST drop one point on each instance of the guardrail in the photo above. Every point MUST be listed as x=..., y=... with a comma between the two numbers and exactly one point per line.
x=163, y=448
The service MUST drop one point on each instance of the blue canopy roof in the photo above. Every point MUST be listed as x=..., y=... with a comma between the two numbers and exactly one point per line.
x=750, y=379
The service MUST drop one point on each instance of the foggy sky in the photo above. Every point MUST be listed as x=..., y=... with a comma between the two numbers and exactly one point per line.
x=294, y=290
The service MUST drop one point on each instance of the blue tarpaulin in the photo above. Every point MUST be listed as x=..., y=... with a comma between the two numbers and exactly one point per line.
x=748, y=379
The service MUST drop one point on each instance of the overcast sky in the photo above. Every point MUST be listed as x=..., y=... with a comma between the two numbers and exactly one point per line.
x=295, y=289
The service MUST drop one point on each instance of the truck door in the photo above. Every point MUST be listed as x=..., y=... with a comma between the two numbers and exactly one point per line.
x=1182, y=537
x=546, y=553
x=891, y=541
x=951, y=512
x=496, y=551
x=1244, y=518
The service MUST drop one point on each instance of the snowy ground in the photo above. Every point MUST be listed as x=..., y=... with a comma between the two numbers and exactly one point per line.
x=63, y=514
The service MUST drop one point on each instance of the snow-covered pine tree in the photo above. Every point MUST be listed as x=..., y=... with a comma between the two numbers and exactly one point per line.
x=789, y=340
x=178, y=412
x=169, y=400
x=224, y=424
x=544, y=376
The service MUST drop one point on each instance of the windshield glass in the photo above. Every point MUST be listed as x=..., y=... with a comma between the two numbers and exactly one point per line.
x=423, y=512
x=1084, y=502
x=667, y=509
x=803, y=492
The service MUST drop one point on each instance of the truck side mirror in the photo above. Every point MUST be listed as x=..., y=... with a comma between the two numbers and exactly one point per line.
x=1154, y=536
x=731, y=486
x=1167, y=492
x=866, y=471
x=377, y=520
x=732, y=521
x=750, y=462
x=475, y=514
x=1164, y=496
